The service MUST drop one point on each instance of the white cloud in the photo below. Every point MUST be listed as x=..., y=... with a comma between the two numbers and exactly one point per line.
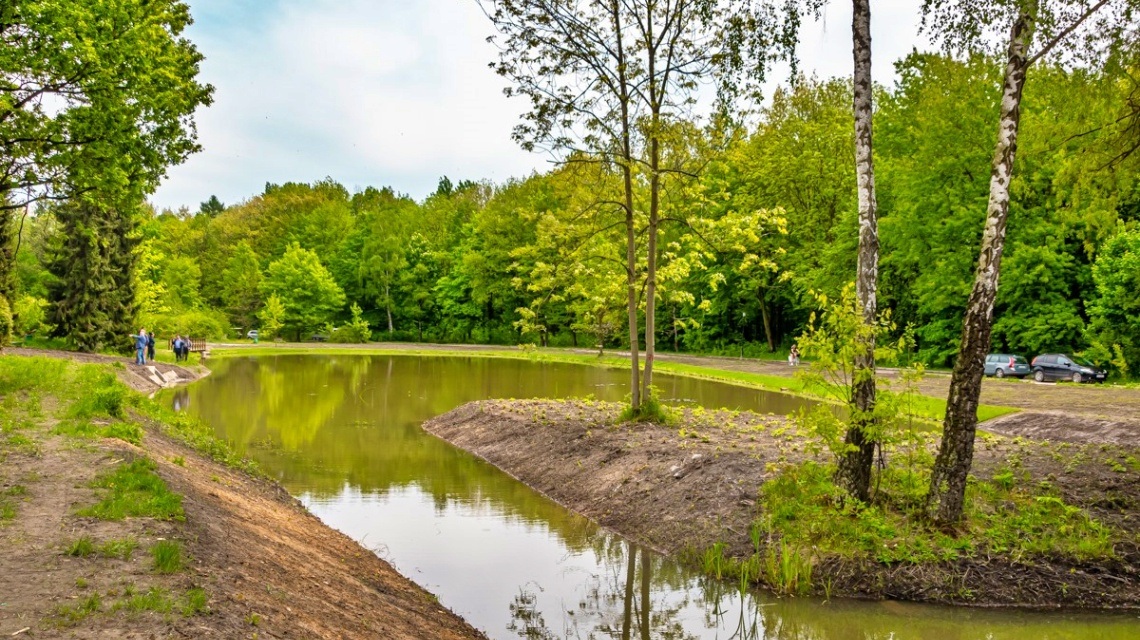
x=390, y=92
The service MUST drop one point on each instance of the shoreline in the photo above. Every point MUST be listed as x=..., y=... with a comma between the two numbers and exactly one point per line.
x=686, y=494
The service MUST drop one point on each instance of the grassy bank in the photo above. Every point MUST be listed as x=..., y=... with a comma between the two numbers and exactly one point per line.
x=926, y=408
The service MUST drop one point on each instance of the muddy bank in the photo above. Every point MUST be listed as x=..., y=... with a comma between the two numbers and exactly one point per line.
x=684, y=488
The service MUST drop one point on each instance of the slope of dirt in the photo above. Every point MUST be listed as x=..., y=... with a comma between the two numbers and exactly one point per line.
x=685, y=489
x=265, y=567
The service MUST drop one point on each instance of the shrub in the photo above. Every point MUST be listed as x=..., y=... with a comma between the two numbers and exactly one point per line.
x=29, y=316
x=5, y=323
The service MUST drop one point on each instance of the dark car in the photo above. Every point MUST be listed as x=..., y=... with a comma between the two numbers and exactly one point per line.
x=1001, y=365
x=1061, y=366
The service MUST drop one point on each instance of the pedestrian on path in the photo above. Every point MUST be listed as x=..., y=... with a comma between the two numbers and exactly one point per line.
x=140, y=346
x=150, y=346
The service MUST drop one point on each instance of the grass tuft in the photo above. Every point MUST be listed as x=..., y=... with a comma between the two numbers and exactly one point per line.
x=134, y=490
x=167, y=556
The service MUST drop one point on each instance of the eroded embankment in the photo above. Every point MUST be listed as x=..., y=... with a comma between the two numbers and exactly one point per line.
x=112, y=526
x=687, y=487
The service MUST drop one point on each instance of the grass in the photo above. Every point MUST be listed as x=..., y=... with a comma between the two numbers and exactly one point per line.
x=167, y=556
x=134, y=490
x=71, y=615
x=8, y=499
x=925, y=407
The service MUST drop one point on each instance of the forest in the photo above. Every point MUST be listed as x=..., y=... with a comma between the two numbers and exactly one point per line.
x=759, y=219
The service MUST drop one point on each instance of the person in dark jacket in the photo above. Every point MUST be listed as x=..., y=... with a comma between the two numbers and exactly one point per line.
x=150, y=346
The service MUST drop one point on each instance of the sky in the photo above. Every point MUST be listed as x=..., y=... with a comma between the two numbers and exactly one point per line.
x=395, y=93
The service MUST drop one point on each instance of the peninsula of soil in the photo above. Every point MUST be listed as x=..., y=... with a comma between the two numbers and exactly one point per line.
x=707, y=489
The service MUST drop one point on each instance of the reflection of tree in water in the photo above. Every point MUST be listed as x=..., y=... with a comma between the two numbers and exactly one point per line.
x=181, y=399
x=526, y=620
x=620, y=605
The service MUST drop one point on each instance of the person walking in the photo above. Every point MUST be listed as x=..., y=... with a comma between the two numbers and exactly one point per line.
x=177, y=346
x=794, y=356
x=140, y=346
x=150, y=346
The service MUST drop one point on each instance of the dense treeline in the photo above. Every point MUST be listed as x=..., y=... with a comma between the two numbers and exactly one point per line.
x=758, y=219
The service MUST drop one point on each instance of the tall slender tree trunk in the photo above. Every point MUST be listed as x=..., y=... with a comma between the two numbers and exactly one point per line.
x=854, y=470
x=766, y=317
x=651, y=265
x=646, y=574
x=388, y=308
x=627, y=611
x=956, y=453
x=630, y=230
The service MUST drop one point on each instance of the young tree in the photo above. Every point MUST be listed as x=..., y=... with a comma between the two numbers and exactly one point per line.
x=305, y=289
x=969, y=25
x=605, y=79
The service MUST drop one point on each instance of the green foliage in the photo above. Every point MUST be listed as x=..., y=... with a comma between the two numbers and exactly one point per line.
x=197, y=324
x=241, y=286
x=272, y=317
x=5, y=323
x=92, y=258
x=167, y=556
x=651, y=410
x=121, y=80
x=356, y=331
x=305, y=288
x=1115, y=311
x=134, y=490
x=30, y=316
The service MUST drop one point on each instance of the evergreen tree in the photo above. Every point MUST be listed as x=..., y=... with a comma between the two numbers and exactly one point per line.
x=93, y=302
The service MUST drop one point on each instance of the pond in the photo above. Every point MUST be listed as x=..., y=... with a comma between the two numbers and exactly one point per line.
x=342, y=434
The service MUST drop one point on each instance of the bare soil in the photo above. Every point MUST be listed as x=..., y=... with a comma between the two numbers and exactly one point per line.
x=683, y=489
x=269, y=568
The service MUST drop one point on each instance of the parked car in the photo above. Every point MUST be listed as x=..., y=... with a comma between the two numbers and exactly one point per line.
x=251, y=334
x=1001, y=365
x=1062, y=366
x=318, y=337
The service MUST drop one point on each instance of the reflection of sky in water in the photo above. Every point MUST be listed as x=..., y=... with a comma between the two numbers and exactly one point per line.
x=343, y=433
x=479, y=562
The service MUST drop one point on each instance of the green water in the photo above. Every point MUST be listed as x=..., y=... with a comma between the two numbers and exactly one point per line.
x=342, y=434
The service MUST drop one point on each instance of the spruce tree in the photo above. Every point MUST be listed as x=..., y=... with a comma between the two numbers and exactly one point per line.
x=92, y=257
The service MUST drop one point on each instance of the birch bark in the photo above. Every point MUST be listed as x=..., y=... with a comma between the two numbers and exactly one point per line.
x=854, y=470
x=945, y=499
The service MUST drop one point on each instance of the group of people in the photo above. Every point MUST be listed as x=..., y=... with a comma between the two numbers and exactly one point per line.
x=144, y=347
x=181, y=347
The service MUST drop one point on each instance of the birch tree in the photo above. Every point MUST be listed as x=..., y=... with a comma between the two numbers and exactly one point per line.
x=1078, y=30
x=854, y=469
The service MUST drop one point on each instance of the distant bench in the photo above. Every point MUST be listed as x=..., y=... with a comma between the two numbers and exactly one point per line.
x=202, y=348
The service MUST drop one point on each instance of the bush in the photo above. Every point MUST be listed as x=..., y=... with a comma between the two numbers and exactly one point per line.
x=5, y=323
x=29, y=316
x=356, y=331
x=198, y=324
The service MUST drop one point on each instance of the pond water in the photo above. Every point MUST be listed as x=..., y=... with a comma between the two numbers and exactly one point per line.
x=342, y=433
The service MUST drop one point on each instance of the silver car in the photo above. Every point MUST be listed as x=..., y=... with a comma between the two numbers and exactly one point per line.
x=1001, y=365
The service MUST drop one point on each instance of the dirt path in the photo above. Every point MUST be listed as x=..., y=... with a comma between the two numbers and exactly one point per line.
x=680, y=490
